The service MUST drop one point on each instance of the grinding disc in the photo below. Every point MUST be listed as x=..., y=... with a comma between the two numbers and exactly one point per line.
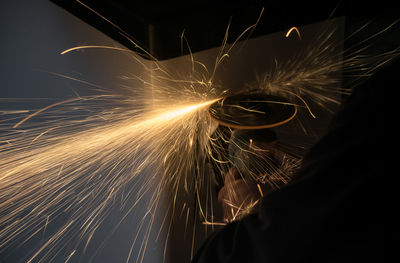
x=252, y=111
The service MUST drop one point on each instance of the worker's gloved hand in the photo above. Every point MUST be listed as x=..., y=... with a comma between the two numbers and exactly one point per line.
x=237, y=196
x=260, y=167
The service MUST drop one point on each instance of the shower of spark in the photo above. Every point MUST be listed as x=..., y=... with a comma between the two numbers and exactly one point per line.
x=50, y=171
x=81, y=164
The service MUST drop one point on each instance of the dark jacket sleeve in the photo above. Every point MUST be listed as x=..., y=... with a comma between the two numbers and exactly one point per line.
x=341, y=206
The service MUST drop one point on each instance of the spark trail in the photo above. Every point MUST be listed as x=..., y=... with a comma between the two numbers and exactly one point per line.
x=56, y=177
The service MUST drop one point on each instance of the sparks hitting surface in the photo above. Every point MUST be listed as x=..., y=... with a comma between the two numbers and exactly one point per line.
x=157, y=145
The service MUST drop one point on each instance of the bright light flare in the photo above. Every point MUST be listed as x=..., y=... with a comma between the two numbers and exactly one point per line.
x=169, y=115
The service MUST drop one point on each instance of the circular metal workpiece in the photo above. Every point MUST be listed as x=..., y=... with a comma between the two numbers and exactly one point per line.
x=252, y=111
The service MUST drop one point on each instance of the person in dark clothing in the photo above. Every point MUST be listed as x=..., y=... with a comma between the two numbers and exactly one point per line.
x=340, y=206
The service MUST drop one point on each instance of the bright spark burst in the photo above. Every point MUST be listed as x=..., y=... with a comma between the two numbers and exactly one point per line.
x=82, y=165
x=86, y=169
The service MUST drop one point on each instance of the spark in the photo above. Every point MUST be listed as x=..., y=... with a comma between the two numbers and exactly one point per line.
x=70, y=255
x=44, y=109
x=91, y=47
x=260, y=190
x=293, y=29
x=43, y=133
x=13, y=111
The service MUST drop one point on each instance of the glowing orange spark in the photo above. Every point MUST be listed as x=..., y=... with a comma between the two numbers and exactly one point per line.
x=294, y=29
x=102, y=47
x=259, y=189
x=43, y=133
x=43, y=109
x=48, y=107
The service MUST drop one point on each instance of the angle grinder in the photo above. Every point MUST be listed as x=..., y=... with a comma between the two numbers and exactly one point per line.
x=253, y=146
